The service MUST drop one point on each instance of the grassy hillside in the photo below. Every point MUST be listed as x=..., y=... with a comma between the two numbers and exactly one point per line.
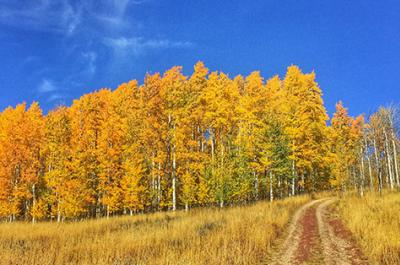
x=240, y=235
x=375, y=223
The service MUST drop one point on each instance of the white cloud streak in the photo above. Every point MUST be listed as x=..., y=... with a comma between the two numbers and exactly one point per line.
x=138, y=45
x=55, y=98
x=83, y=24
x=46, y=86
x=90, y=58
x=63, y=16
x=57, y=16
x=50, y=90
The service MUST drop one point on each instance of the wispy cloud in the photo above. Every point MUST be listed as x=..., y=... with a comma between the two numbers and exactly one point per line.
x=71, y=18
x=97, y=38
x=120, y=6
x=46, y=86
x=64, y=16
x=56, y=16
x=112, y=14
x=51, y=91
x=90, y=58
x=138, y=45
x=56, y=98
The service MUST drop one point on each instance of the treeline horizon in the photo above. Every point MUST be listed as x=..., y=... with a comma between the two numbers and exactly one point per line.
x=187, y=141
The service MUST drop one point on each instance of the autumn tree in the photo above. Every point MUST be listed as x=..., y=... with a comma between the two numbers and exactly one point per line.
x=86, y=123
x=57, y=154
x=22, y=135
x=307, y=128
x=179, y=141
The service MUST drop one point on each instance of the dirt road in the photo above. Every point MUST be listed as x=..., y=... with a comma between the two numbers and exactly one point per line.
x=316, y=235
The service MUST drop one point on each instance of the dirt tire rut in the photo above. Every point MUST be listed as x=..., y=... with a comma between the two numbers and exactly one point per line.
x=287, y=252
x=335, y=245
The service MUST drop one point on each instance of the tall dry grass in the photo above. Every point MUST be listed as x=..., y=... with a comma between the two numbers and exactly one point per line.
x=375, y=223
x=240, y=235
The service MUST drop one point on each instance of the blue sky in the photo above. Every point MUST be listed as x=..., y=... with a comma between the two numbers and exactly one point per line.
x=53, y=51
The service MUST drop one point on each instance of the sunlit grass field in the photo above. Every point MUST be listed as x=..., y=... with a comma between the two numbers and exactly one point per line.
x=375, y=223
x=235, y=235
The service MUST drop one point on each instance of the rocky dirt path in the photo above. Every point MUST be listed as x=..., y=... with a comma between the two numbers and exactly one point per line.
x=316, y=235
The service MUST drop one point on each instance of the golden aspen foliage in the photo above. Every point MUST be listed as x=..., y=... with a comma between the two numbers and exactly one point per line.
x=57, y=155
x=86, y=122
x=178, y=142
x=21, y=139
x=340, y=139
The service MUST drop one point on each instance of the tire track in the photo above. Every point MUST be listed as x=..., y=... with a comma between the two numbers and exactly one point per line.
x=335, y=244
x=287, y=252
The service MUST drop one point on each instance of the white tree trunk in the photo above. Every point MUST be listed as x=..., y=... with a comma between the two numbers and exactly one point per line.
x=279, y=187
x=393, y=134
x=159, y=186
x=33, y=202
x=173, y=167
x=378, y=167
x=58, y=212
x=293, y=187
x=256, y=184
x=271, y=191
x=396, y=169
x=293, y=177
x=371, y=182
x=173, y=182
x=362, y=174
x=212, y=147
x=389, y=164
x=153, y=179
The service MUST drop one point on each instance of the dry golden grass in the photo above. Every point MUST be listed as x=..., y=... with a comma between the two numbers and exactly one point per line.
x=240, y=235
x=375, y=223
x=324, y=194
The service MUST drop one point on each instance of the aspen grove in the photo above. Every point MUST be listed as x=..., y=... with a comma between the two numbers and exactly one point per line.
x=177, y=142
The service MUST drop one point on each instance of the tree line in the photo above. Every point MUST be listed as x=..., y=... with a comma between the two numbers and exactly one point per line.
x=181, y=141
